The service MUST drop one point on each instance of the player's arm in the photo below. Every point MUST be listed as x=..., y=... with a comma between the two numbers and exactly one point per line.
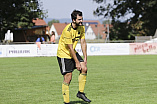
x=84, y=49
x=78, y=65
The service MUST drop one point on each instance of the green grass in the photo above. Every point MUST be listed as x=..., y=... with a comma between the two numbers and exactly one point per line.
x=111, y=80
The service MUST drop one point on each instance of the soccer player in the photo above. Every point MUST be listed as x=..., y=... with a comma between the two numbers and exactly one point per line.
x=69, y=59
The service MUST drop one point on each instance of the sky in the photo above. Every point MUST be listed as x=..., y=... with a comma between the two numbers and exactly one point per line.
x=59, y=9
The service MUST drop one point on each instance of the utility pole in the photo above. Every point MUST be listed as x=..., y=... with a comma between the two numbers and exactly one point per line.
x=108, y=29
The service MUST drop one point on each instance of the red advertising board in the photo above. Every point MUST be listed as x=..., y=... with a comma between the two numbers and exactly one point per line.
x=143, y=48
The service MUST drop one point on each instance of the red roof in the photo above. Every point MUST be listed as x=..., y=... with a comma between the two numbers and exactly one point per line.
x=91, y=21
x=39, y=22
x=97, y=28
x=59, y=27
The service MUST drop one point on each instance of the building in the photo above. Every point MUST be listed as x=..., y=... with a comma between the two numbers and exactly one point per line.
x=97, y=30
x=31, y=34
x=93, y=29
x=57, y=28
x=89, y=33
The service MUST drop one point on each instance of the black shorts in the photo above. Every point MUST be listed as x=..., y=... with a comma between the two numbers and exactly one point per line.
x=68, y=65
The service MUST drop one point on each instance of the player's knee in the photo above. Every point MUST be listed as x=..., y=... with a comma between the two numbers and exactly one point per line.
x=68, y=78
x=84, y=70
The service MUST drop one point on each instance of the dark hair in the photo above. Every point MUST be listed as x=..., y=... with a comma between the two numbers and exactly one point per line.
x=75, y=13
x=53, y=33
x=41, y=40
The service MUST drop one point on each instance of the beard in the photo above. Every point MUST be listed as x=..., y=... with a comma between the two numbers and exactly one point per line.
x=79, y=24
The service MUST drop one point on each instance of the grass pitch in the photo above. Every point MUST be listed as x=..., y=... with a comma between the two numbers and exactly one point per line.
x=110, y=80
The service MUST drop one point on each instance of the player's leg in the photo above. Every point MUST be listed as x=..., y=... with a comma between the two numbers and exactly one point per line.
x=65, y=87
x=82, y=79
x=66, y=68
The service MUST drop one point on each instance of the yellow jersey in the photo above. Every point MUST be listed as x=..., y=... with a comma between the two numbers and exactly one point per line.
x=69, y=36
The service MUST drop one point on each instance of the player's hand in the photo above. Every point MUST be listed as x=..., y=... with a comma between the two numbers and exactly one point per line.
x=78, y=66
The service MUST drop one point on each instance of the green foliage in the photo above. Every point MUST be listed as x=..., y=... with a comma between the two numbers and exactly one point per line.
x=110, y=80
x=142, y=21
x=15, y=13
x=106, y=22
x=52, y=21
x=121, y=30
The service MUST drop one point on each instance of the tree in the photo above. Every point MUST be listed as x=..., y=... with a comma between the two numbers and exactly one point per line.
x=106, y=22
x=19, y=13
x=52, y=21
x=142, y=20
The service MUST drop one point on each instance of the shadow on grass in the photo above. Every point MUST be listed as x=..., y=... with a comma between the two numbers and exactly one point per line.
x=78, y=102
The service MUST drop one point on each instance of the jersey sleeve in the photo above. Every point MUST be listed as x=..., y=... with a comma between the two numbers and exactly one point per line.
x=83, y=32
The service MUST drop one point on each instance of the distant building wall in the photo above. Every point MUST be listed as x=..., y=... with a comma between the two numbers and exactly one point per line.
x=90, y=34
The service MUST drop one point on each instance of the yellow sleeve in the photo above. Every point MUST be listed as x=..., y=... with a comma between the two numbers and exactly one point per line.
x=83, y=32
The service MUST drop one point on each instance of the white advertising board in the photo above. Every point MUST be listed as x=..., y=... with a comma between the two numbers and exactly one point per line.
x=108, y=49
x=31, y=50
x=2, y=51
x=47, y=50
x=19, y=50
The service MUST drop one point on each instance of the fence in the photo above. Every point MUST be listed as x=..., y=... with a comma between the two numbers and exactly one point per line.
x=87, y=41
x=34, y=50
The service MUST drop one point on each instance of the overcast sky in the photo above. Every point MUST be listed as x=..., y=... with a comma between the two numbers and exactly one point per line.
x=62, y=8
